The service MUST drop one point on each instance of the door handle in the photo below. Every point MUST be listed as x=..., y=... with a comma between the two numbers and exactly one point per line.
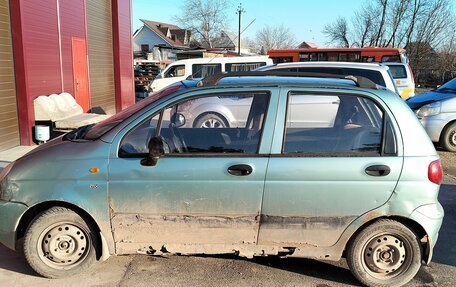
x=378, y=170
x=240, y=169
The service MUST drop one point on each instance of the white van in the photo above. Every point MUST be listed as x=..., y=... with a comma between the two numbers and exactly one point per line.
x=203, y=67
x=403, y=78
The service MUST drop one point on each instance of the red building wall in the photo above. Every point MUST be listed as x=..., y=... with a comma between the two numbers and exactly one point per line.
x=41, y=46
x=43, y=65
x=123, y=53
x=72, y=24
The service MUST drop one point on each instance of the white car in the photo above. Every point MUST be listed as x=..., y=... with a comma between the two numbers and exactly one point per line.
x=377, y=73
x=204, y=67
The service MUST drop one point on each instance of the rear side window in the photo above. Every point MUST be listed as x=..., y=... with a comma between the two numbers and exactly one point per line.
x=329, y=125
x=398, y=71
x=243, y=67
x=205, y=70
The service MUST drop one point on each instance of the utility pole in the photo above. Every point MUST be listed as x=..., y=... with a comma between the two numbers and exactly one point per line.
x=240, y=10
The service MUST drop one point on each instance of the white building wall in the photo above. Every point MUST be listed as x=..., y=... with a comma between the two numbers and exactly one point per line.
x=147, y=36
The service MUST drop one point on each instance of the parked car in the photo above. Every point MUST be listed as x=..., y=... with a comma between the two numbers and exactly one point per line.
x=403, y=78
x=204, y=67
x=377, y=73
x=360, y=179
x=436, y=110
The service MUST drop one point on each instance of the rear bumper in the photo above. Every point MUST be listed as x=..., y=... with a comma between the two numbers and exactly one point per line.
x=10, y=213
x=430, y=217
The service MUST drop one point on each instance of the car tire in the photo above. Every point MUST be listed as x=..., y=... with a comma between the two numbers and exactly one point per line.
x=386, y=253
x=448, y=138
x=60, y=243
x=210, y=120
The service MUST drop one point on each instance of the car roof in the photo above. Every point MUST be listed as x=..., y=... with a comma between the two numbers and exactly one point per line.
x=349, y=65
x=281, y=81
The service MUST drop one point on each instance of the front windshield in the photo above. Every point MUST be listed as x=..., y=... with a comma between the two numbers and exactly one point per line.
x=450, y=85
x=96, y=131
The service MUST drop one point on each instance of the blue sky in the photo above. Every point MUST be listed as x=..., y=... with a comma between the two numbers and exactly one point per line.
x=305, y=18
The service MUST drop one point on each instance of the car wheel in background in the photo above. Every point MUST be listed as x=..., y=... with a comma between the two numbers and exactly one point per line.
x=386, y=253
x=448, y=138
x=210, y=120
x=60, y=243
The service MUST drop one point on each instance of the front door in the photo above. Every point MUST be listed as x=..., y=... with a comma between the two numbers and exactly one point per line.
x=204, y=195
x=80, y=73
x=329, y=165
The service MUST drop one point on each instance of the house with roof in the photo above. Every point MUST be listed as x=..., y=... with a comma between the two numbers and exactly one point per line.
x=160, y=40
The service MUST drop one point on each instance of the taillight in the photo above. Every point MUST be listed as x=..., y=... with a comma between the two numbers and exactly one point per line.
x=435, y=172
x=411, y=73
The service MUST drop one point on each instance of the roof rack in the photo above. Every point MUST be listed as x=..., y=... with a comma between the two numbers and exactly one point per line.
x=361, y=82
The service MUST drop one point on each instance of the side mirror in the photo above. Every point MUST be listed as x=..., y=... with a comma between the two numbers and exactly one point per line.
x=156, y=151
x=178, y=120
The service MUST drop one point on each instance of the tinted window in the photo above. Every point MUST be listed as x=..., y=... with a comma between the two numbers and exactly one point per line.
x=328, y=125
x=205, y=70
x=398, y=71
x=241, y=67
x=228, y=123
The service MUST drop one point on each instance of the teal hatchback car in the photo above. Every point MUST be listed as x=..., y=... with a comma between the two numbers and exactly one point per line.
x=308, y=167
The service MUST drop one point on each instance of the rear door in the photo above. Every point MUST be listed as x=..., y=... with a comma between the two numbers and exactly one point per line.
x=326, y=168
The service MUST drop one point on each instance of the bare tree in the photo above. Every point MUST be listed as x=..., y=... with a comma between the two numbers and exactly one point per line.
x=363, y=27
x=338, y=32
x=206, y=18
x=277, y=37
x=395, y=23
x=384, y=6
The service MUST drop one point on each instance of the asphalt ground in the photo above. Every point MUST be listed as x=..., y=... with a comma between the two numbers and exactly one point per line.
x=143, y=270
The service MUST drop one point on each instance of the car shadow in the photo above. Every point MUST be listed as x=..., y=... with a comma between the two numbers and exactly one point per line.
x=324, y=270
x=15, y=261
x=332, y=271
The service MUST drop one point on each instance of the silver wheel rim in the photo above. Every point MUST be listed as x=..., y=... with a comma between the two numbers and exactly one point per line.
x=63, y=245
x=212, y=123
x=386, y=256
x=453, y=138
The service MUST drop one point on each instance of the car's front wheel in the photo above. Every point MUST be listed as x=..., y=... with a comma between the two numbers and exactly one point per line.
x=59, y=243
x=448, y=138
x=386, y=253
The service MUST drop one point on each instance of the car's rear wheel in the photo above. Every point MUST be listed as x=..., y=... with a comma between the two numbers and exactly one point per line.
x=448, y=138
x=386, y=253
x=210, y=121
x=59, y=243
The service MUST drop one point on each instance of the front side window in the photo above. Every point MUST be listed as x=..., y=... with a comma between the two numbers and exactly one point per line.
x=136, y=141
x=332, y=124
x=175, y=71
x=221, y=124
